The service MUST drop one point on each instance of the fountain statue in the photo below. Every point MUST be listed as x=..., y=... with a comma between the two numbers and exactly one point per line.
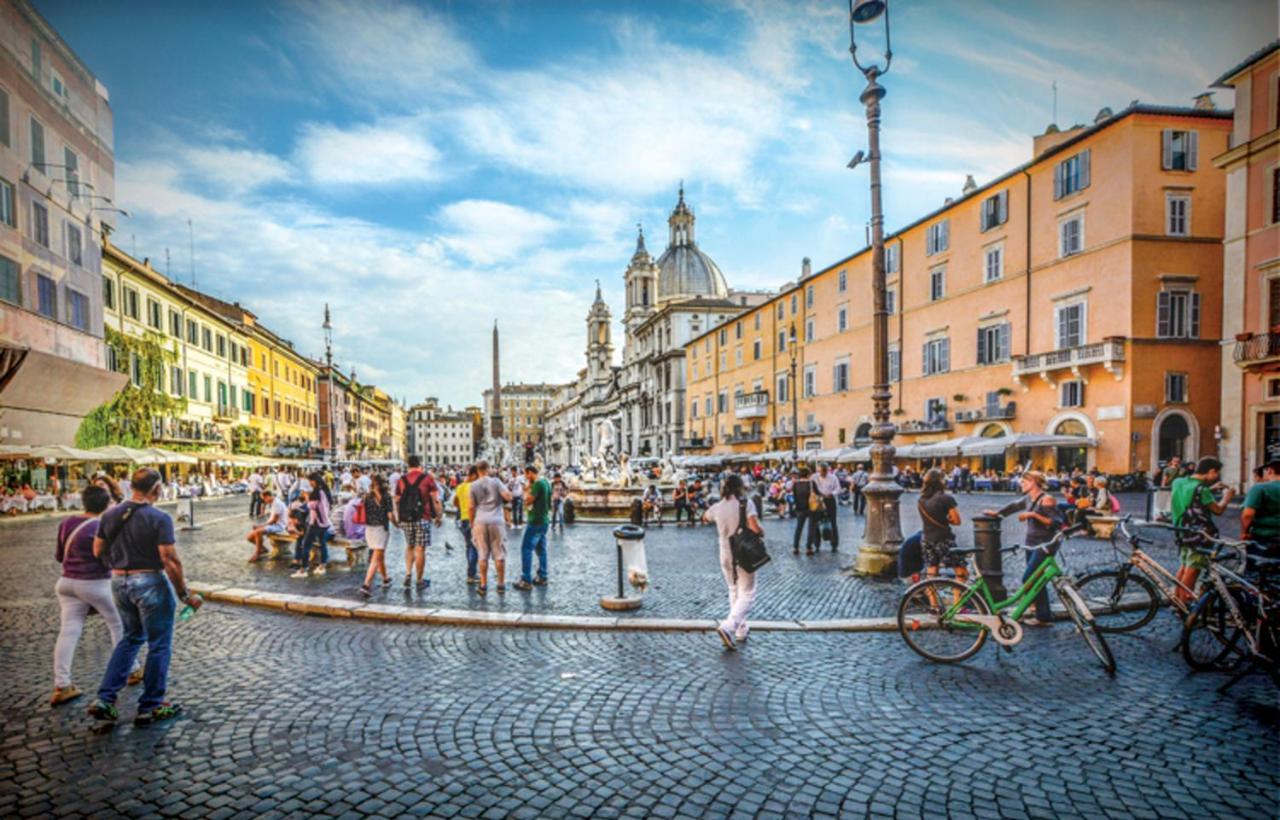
x=607, y=483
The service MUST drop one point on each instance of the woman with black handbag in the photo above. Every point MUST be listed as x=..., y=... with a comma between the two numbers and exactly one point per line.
x=741, y=554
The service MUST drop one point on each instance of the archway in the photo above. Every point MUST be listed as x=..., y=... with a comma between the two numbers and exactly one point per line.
x=995, y=461
x=862, y=435
x=1071, y=458
x=1174, y=432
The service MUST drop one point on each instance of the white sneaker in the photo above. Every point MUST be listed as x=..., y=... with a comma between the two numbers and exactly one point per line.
x=302, y=573
x=321, y=570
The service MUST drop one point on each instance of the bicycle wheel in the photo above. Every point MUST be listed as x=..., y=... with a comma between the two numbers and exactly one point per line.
x=1083, y=620
x=1210, y=637
x=920, y=620
x=1121, y=600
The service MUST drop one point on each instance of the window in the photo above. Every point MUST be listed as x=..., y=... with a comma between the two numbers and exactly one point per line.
x=175, y=324
x=222, y=346
x=895, y=364
x=1070, y=321
x=937, y=284
x=757, y=350
x=724, y=337
x=1071, y=175
x=842, y=319
x=1275, y=195
x=1178, y=314
x=1072, y=394
x=193, y=334
x=1175, y=388
x=782, y=340
x=724, y=361
x=891, y=258
x=693, y=410
x=75, y=249
x=37, y=145
x=47, y=294
x=737, y=330
x=175, y=380
x=135, y=369
x=154, y=315
x=808, y=296
x=8, y=204
x=794, y=305
x=842, y=282
x=722, y=402
x=780, y=309
x=808, y=330
x=707, y=406
x=993, y=264
x=1273, y=302
x=10, y=281
x=40, y=224
x=737, y=357
x=206, y=338
x=840, y=377
x=937, y=356
x=4, y=119
x=208, y=389
x=995, y=211
x=1177, y=215
x=993, y=344
x=1071, y=235
x=108, y=293
x=72, y=172
x=131, y=303
x=935, y=411
x=782, y=386
x=757, y=320
x=1178, y=150
x=191, y=384
x=891, y=300
x=810, y=381
x=937, y=237
x=77, y=310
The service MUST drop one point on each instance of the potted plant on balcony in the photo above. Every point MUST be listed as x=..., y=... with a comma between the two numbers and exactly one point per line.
x=1244, y=337
x=960, y=398
x=1004, y=391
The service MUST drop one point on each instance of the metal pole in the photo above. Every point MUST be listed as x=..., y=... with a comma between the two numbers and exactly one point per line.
x=621, y=591
x=883, y=533
x=795, y=428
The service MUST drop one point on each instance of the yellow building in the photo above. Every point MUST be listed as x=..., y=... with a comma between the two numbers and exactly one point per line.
x=1077, y=295
x=208, y=356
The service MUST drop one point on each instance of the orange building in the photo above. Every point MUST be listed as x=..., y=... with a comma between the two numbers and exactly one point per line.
x=1251, y=267
x=1078, y=294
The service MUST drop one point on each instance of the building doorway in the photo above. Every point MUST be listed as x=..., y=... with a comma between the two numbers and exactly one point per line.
x=1270, y=438
x=996, y=460
x=1172, y=439
x=1072, y=458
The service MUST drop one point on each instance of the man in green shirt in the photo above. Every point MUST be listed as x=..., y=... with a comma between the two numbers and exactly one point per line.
x=1193, y=505
x=538, y=503
x=1260, y=518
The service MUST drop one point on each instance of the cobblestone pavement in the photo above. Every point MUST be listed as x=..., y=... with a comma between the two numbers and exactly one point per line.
x=683, y=566
x=290, y=715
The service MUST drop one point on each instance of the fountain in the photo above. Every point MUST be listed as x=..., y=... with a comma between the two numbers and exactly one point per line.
x=607, y=485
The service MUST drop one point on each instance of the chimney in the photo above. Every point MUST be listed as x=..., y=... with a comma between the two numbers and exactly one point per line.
x=1204, y=102
x=806, y=268
x=1052, y=136
x=969, y=185
x=1103, y=114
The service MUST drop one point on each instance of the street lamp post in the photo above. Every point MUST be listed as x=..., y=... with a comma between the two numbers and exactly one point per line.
x=883, y=532
x=795, y=409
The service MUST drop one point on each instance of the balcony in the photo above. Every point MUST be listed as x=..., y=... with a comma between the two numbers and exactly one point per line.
x=995, y=412
x=808, y=428
x=1048, y=366
x=698, y=443
x=1256, y=350
x=751, y=405
x=744, y=437
x=186, y=432
x=939, y=424
x=225, y=413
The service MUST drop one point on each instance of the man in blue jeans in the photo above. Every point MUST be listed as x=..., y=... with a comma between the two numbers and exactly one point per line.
x=535, y=532
x=136, y=540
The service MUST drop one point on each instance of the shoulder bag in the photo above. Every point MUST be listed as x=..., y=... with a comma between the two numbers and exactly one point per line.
x=747, y=545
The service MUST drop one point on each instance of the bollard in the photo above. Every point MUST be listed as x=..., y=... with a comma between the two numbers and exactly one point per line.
x=986, y=537
x=620, y=602
x=191, y=515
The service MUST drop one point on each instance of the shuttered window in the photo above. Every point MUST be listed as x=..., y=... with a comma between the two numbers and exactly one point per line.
x=937, y=356
x=1178, y=150
x=937, y=238
x=993, y=343
x=995, y=211
x=1178, y=314
x=1071, y=325
x=1071, y=175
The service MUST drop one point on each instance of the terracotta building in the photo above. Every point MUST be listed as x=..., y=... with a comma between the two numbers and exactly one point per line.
x=1078, y=294
x=1251, y=267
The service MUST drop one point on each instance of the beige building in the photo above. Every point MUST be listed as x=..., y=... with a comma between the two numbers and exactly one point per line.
x=57, y=181
x=524, y=408
x=441, y=435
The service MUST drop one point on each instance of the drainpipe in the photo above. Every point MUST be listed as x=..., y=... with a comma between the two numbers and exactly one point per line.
x=1026, y=344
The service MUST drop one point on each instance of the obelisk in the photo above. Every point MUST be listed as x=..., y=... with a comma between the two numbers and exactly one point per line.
x=495, y=422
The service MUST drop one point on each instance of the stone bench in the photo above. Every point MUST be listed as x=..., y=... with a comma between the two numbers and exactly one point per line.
x=282, y=547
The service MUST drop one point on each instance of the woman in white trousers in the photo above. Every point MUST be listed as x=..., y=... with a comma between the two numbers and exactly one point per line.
x=727, y=514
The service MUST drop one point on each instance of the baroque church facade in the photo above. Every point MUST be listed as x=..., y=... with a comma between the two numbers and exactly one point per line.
x=668, y=301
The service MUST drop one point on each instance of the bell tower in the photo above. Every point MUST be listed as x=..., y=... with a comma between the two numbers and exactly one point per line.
x=599, y=340
x=642, y=286
x=680, y=223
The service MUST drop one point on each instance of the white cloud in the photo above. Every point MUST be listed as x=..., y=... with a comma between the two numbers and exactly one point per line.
x=485, y=232
x=236, y=169
x=392, y=152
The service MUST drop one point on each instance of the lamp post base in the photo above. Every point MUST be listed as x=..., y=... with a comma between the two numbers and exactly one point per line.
x=873, y=563
x=882, y=536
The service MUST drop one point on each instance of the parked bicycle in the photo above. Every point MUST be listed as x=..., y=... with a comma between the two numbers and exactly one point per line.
x=946, y=621
x=1236, y=622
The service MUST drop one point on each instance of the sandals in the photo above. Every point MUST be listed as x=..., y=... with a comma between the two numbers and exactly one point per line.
x=482, y=589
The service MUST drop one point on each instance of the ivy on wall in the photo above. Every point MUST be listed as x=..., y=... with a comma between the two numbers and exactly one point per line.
x=246, y=440
x=126, y=418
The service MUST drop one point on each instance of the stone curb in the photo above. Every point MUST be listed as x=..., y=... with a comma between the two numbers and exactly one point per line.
x=341, y=608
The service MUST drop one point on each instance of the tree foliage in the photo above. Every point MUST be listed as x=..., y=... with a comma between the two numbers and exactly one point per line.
x=126, y=418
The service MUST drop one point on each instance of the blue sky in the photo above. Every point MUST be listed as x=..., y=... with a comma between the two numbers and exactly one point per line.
x=429, y=167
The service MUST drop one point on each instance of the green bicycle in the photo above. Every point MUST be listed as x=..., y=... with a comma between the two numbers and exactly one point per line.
x=946, y=621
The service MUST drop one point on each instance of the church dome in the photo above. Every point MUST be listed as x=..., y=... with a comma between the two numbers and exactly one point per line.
x=684, y=271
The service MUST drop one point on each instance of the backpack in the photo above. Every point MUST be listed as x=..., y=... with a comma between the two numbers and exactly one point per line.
x=1197, y=517
x=413, y=501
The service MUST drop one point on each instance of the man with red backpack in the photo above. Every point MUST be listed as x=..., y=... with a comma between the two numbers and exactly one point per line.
x=417, y=500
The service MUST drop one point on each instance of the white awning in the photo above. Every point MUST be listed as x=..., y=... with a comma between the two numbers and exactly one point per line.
x=980, y=446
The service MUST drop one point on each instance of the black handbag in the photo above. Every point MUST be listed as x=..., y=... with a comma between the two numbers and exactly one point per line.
x=747, y=545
